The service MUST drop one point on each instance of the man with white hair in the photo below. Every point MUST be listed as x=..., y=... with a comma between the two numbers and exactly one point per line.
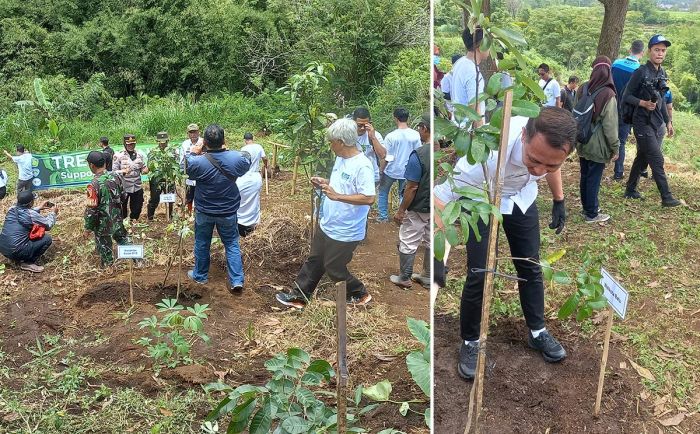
x=249, y=186
x=349, y=193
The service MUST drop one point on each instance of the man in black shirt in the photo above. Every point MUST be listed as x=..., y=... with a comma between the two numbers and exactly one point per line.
x=109, y=153
x=645, y=93
x=568, y=94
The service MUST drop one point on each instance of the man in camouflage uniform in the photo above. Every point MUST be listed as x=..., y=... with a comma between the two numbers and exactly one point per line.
x=103, y=212
x=159, y=159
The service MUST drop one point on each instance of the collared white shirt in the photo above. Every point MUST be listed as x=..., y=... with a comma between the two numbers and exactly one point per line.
x=185, y=152
x=365, y=145
x=519, y=187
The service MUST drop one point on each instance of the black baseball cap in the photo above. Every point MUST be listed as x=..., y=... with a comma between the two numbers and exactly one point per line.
x=25, y=198
x=96, y=157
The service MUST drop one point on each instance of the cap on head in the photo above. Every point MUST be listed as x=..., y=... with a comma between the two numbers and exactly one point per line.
x=25, y=198
x=97, y=158
x=129, y=139
x=658, y=39
x=248, y=136
x=162, y=137
x=192, y=128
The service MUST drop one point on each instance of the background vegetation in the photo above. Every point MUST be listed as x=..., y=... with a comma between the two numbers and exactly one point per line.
x=143, y=66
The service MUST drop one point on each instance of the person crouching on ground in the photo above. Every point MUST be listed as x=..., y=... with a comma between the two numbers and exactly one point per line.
x=216, y=201
x=604, y=144
x=413, y=214
x=349, y=193
x=23, y=239
x=103, y=208
x=249, y=185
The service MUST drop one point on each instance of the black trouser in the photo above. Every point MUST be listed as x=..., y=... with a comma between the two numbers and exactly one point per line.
x=25, y=185
x=330, y=257
x=33, y=250
x=156, y=188
x=648, y=152
x=523, y=233
x=3, y=192
x=243, y=231
x=135, y=200
x=589, y=187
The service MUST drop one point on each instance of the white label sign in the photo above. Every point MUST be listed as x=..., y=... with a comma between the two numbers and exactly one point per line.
x=616, y=295
x=167, y=198
x=130, y=251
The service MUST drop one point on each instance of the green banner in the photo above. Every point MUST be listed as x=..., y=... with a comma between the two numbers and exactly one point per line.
x=69, y=169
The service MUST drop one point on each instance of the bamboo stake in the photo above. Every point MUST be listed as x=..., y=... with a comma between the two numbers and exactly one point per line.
x=476, y=397
x=131, y=282
x=179, y=271
x=294, y=174
x=603, y=363
x=267, y=186
x=343, y=375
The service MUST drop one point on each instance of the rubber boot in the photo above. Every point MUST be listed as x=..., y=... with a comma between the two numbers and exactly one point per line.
x=424, y=277
x=403, y=280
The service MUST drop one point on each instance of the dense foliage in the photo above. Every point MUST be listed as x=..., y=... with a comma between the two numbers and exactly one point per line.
x=116, y=63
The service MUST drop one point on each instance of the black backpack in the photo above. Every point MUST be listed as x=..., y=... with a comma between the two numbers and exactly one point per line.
x=583, y=113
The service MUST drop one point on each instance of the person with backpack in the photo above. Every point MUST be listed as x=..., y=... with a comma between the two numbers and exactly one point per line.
x=550, y=86
x=645, y=108
x=597, y=141
x=622, y=70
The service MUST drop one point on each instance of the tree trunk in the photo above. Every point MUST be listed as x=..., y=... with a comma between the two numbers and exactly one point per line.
x=613, y=25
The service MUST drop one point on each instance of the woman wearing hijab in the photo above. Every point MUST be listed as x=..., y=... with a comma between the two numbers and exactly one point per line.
x=602, y=148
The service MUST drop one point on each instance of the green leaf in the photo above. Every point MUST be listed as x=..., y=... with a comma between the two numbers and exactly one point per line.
x=547, y=271
x=358, y=395
x=223, y=407
x=420, y=330
x=366, y=409
x=321, y=367
x=513, y=37
x=295, y=425
x=404, y=408
x=299, y=354
x=439, y=245
x=525, y=108
x=240, y=416
x=583, y=313
x=419, y=368
x=554, y=257
x=378, y=392
x=453, y=236
x=497, y=118
x=462, y=141
x=478, y=149
x=451, y=212
x=494, y=84
x=463, y=111
x=597, y=303
x=569, y=307
x=444, y=127
x=532, y=85
x=262, y=421
x=561, y=277
x=427, y=417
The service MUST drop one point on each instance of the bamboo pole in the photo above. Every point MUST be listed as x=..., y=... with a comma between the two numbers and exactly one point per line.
x=294, y=174
x=274, y=157
x=603, y=363
x=477, y=393
x=267, y=185
x=131, y=282
x=343, y=375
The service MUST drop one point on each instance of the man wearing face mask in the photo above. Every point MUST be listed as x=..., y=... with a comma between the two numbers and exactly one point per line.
x=130, y=165
x=536, y=149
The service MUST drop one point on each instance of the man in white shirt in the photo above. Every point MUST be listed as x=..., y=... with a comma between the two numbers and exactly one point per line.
x=185, y=150
x=399, y=145
x=536, y=149
x=249, y=186
x=25, y=172
x=466, y=76
x=369, y=141
x=3, y=183
x=349, y=193
x=550, y=86
x=446, y=84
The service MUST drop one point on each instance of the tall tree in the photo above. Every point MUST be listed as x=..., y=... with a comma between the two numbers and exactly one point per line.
x=613, y=25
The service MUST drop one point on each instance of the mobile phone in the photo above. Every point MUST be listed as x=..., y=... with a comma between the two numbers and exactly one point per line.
x=50, y=204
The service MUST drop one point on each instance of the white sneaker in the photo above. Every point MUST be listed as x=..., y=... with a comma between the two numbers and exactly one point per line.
x=34, y=268
x=598, y=219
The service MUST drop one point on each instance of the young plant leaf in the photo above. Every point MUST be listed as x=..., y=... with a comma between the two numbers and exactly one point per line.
x=569, y=307
x=378, y=392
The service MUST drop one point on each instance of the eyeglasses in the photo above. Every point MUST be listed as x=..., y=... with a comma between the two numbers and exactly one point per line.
x=541, y=74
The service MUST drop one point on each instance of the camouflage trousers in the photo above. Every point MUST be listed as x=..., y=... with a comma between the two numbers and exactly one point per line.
x=103, y=245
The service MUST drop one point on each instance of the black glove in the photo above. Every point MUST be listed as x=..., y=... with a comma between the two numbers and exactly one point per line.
x=558, y=216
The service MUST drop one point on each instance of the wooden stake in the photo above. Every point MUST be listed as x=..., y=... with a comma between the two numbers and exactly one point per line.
x=294, y=174
x=603, y=363
x=131, y=282
x=343, y=375
x=267, y=186
x=475, y=401
x=274, y=157
x=179, y=271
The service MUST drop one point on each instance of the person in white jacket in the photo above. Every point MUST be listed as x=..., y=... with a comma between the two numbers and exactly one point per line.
x=249, y=186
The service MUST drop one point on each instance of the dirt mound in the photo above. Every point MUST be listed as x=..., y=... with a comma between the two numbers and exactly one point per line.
x=523, y=394
x=117, y=292
x=278, y=243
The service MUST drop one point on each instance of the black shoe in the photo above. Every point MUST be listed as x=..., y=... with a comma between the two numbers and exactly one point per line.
x=551, y=349
x=236, y=289
x=293, y=299
x=618, y=178
x=670, y=203
x=644, y=174
x=633, y=195
x=468, y=355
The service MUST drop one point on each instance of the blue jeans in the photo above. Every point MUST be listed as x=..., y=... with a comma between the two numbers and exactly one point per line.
x=227, y=227
x=623, y=130
x=384, y=188
x=591, y=174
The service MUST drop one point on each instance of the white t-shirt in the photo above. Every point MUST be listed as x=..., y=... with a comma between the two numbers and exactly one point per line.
x=552, y=91
x=342, y=221
x=364, y=145
x=249, y=186
x=257, y=153
x=3, y=178
x=519, y=186
x=400, y=143
x=446, y=83
x=464, y=83
x=24, y=166
x=184, y=152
